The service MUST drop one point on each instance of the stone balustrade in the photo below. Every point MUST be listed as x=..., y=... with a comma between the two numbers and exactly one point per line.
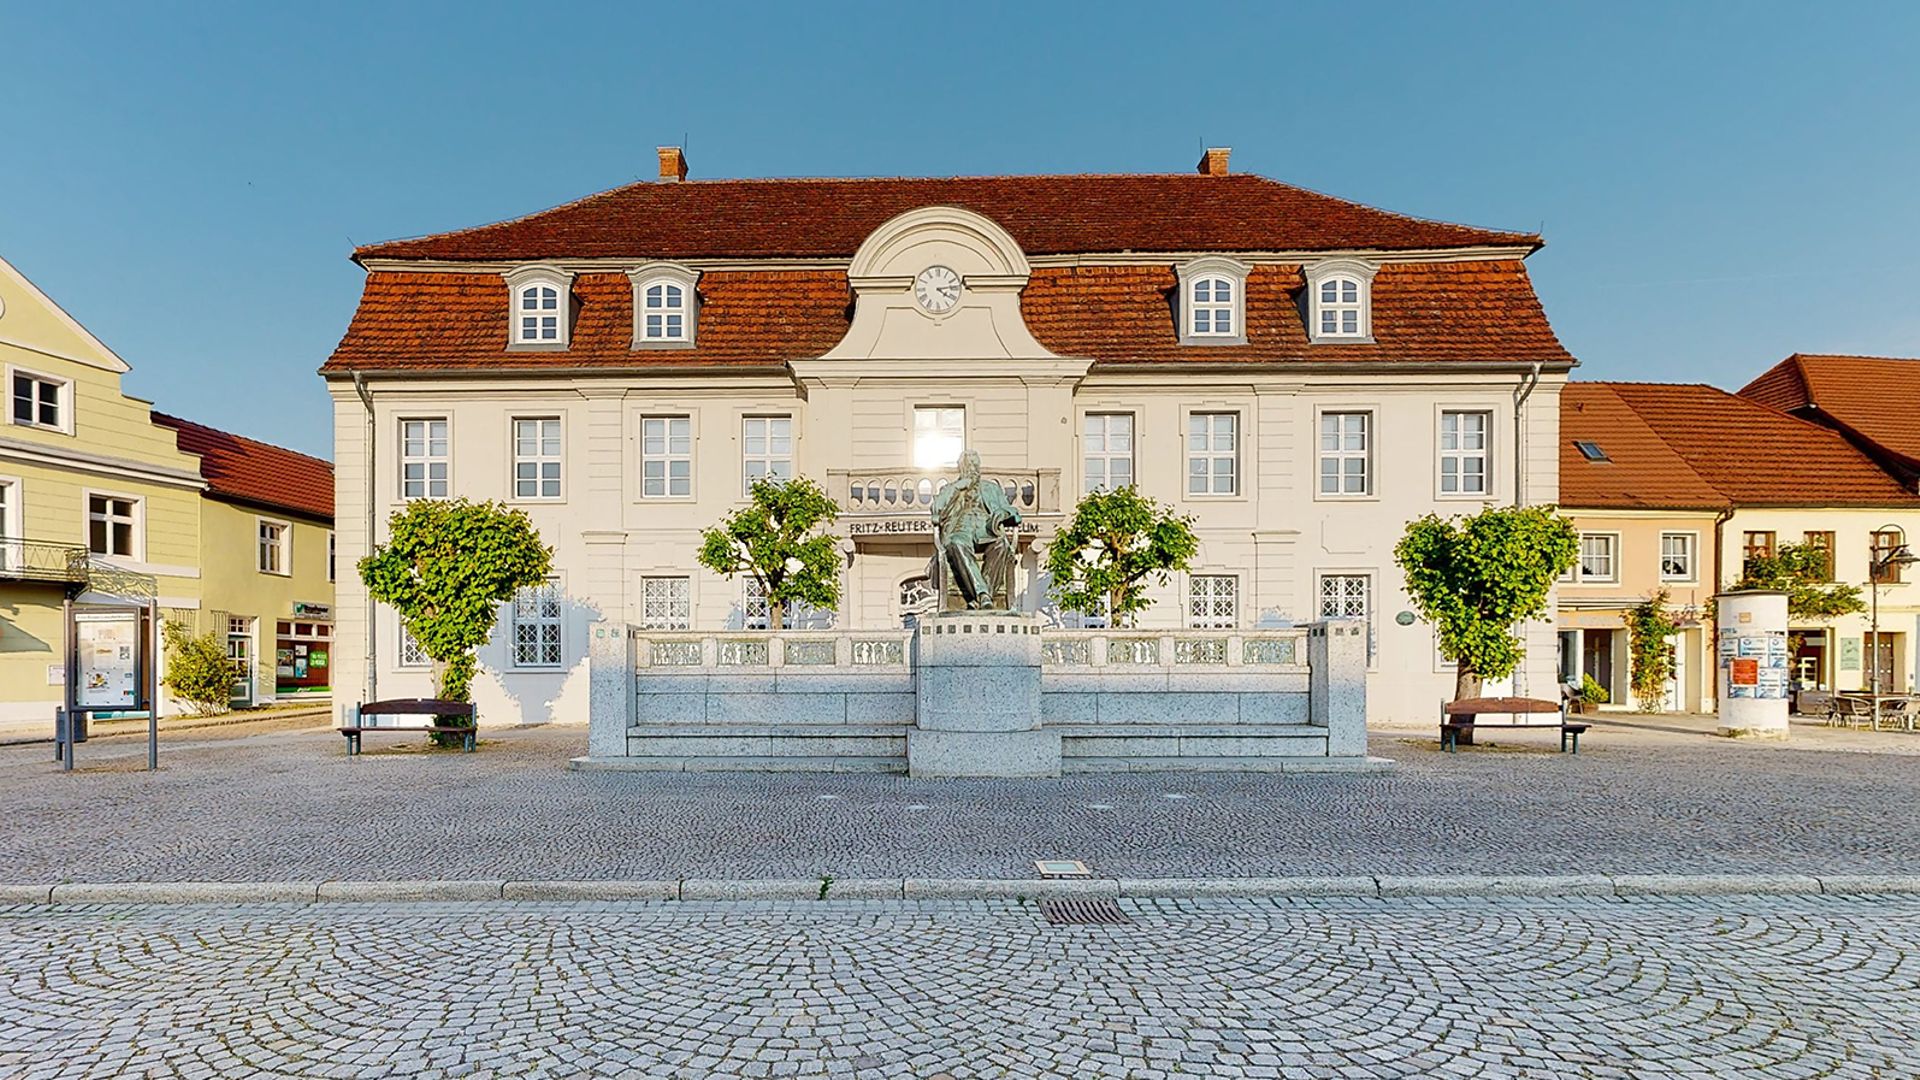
x=909, y=490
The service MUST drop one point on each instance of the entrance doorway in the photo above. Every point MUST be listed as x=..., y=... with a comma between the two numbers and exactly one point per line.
x=1596, y=659
x=1673, y=695
x=1881, y=672
x=1808, y=665
x=240, y=655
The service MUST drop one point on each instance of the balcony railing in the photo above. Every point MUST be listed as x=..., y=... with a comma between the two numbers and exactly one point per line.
x=41, y=560
x=911, y=491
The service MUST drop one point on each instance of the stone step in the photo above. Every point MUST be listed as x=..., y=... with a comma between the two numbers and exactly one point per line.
x=1197, y=741
x=728, y=763
x=819, y=744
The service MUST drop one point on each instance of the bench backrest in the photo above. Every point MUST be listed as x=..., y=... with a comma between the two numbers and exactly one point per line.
x=417, y=707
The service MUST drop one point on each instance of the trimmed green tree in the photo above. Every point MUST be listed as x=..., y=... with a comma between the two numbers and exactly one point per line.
x=774, y=539
x=1476, y=578
x=199, y=671
x=1805, y=573
x=1649, y=625
x=446, y=568
x=1118, y=541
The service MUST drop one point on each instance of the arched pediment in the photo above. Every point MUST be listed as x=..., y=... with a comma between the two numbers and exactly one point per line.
x=972, y=244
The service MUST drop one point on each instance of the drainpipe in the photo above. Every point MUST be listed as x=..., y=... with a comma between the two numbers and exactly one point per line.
x=372, y=683
x=1532, y=379
x=1710, y=633
x=1522, y=685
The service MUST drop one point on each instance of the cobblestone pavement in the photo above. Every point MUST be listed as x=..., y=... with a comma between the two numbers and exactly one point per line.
x=1728, y=987
x=286, y=806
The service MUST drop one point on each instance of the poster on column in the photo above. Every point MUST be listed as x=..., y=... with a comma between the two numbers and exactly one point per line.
x=107, y=644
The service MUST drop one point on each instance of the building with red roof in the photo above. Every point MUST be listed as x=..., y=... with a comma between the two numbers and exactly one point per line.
x=1674, y=486
x=1299, y=372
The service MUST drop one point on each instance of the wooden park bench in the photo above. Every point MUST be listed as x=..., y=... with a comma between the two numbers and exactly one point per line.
x=1458, y=716
x=430, y=710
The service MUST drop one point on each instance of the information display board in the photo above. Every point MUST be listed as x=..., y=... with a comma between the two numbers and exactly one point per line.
x=107, y=659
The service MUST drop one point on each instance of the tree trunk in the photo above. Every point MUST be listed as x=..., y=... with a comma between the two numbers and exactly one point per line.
x=1466, y=684
x=776, y=615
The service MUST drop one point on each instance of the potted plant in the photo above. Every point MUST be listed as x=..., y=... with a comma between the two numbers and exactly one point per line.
x=1590, y=696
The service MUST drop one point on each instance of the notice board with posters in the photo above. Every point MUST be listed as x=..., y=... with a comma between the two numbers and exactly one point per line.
x=107, y=659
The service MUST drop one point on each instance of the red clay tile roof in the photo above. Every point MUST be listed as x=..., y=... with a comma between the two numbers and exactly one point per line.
x=1453, y=311
x=247, y=470
x=1875, y=398
x=1749, y=454
x=1641, y=470
x=1047, y=215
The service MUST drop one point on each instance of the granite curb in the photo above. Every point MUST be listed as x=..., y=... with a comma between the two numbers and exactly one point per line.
x=829, y=888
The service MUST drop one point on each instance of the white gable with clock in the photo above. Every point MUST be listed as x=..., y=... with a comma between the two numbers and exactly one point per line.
x=938, y=283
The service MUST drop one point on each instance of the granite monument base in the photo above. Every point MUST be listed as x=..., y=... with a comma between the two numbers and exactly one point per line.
x=977, y=698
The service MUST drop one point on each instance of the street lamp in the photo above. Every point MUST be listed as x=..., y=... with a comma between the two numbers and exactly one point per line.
x=1878, y=565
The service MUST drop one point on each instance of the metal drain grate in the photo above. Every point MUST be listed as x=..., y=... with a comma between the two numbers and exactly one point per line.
x=1098, y=911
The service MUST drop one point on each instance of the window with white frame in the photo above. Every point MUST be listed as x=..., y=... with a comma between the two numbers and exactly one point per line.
x=113, y=525
x=12, y=553
x=538, y=314
x=757, y=614
x=1106, y=447
x=424, y=460
x=1339, y=300
x=271, y=554
x=666, y=457
x=537, y=623
x=1100, y=618
x=39, y=401
x=409, y=654
x=766, y=448
x=666, y=603
x=1346, y=448
x=1597, y=562
x=1349, y=596
x=663, y=312
x=536, y=458
x=1463, y=452
x=1210, y=307
x=1213, y=453
x=1676, y=556
x=1339, y=307
x=939, y=435
x=1213, y=601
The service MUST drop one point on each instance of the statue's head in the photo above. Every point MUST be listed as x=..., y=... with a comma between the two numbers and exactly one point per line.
x=970, y=464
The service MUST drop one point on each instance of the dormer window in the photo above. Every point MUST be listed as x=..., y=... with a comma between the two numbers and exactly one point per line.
x=1339, y=301
x=541, y=307
x=539, y=314
x=665, y=317
x=665, y=306
x=1212, y=305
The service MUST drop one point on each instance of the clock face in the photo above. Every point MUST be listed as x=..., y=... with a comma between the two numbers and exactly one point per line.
x=937, y=289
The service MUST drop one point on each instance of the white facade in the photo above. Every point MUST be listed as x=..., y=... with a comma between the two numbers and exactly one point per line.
x=650, y=456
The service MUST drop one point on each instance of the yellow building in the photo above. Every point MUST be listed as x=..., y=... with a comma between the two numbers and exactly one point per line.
x=101, y=504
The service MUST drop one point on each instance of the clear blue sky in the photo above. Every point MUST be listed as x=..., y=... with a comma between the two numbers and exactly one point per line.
x=1719, y=184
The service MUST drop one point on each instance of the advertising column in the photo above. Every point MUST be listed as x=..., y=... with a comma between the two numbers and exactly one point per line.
x=1753, y=664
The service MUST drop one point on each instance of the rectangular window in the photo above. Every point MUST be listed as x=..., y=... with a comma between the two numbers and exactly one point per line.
x=424, y=459
x=37, y=401
x=271, y=555
x=799, y=615
x=1676, y=557
x=1596, y=556
x=1213, y=453
x=1756, y=545
x=536, y=458
x=1349, y=596
x=1885, y=546
x=1345, y=453
x=766, y=448
x=1106, y=446
x=536, y=625
x=110, y=525
x=666, y=603
x=939, y=435
x=411, y=655
x=1823, y=543
x=1463, y=452
x=666, y=457
x=1101, y=618
x=1213, y=601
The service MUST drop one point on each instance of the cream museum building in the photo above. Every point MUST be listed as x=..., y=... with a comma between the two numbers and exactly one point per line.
x=1299, y=373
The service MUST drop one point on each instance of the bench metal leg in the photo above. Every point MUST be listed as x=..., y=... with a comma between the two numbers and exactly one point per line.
x=467, y=743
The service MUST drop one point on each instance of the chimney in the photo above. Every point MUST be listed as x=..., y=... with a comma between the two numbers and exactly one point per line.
x=673, y=164
x=1214, y=163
